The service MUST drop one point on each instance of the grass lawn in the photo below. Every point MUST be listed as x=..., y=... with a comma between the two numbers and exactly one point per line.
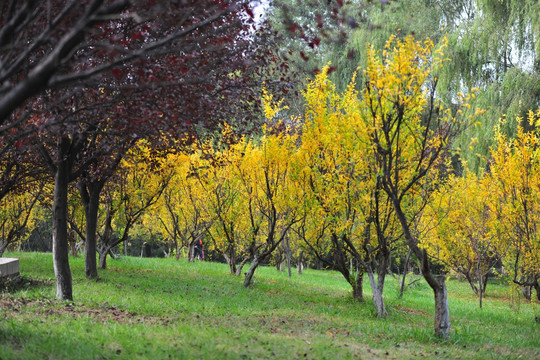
x=162, y=308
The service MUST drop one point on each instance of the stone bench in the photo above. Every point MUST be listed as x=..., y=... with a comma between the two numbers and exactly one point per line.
x=9, y=268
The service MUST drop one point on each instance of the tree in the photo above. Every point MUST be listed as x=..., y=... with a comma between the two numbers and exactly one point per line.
x=90, y=185
x=182, y=204
x=409, y=132
x=342, y=189
x=92, y=37
x=118, y=49
x=315, y=32
x=515, y=176
x=492, y=45
x=264, y=173
x=144, y=175
x=465, y=231
x=226, y=201
x=17, y=218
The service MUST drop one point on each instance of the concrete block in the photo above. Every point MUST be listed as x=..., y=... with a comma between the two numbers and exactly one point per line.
x=9, y=267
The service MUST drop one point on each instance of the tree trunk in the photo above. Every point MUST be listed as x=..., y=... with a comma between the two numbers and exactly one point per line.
x=527, y=292
x=300, y=263
x=241, y=265
x=279, y=259
x=289, y=263
x=471, y=282
x=437, y=283
x=60, y=246
x=103, y=258
x=251, y=271
x=191, y=251
x=442, y=314
x=358, y=287
x=288, y=254
x=482, y=283
x=378, y=300
x=480, y=291
x=405, y=268
x=176, y=251
x=537, y=288
x=232, y=267
x=231, y=261
x=90, y=197
x=3, y=247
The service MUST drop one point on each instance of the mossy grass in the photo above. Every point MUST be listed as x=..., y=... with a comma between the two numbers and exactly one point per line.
x=162, y=308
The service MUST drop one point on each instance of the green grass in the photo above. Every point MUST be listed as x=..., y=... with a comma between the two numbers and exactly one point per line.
x=162, y=308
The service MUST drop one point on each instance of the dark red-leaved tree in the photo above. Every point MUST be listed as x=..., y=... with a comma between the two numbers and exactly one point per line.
x=90, y=77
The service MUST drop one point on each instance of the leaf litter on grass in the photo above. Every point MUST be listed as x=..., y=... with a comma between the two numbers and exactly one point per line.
x=11, y=307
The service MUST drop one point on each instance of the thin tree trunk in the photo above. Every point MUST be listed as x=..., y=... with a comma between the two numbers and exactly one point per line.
x=62, y=271
x=537, y=288
x=176, y=250
x=480, y=292
x=251, y=271
x=241, y=265
x=300, y=263
x=279, y=260
x=103, y=258
x=231, y=261
x=191, y=251
x=358, y=287
x=482, y=283
x=405, y=268
x=287, y=248
x=378, y=300
x=471, y=282
x=90, y=196
x=437, y=283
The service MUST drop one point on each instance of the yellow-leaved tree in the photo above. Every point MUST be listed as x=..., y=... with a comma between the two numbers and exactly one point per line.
x=180, y=211
x=264, y=173
x=409, y=132
x=17, y=215
x=515, y=175
x=341, y=196
x=142, y=177
x=464, y=219
x=227, y=201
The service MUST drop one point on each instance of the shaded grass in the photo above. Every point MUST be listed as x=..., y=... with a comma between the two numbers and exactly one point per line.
x=161, y=308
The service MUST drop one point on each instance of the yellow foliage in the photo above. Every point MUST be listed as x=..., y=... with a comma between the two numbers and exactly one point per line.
x=463, y=222
x=17, y=216
x=271, y=107
x=515, y=182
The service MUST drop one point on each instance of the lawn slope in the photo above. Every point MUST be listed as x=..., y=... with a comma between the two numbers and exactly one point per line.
x=162, y=308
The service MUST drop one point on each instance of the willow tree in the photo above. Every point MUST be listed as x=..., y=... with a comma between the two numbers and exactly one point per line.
x=495, y=47
x=492, y=45
x=315, y=32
